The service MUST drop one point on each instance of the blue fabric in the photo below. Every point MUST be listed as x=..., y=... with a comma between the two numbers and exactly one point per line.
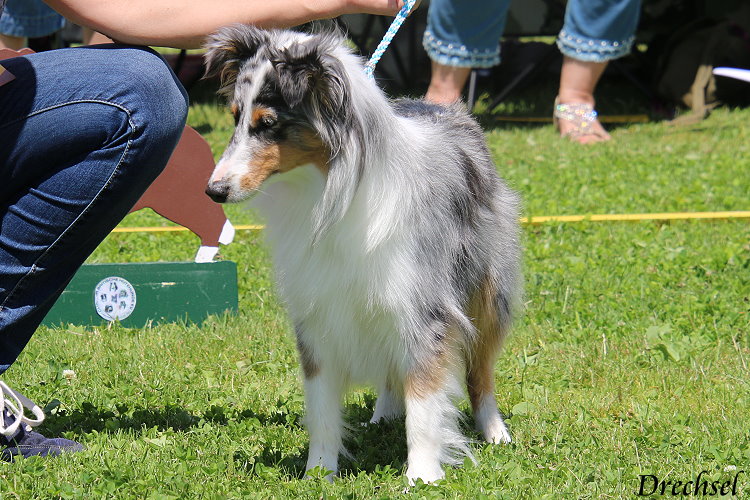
x=30, y=19
x=599, y=30
x=466, y=33
x=83, y=132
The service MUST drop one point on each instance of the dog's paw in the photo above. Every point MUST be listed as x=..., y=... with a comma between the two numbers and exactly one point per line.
x=380, y=419
x=427, y=473
x=496, y=432
x=490, y=423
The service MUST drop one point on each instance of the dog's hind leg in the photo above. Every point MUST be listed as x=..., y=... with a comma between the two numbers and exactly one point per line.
x=481, y=385
x=390, y=403
x=480, y=378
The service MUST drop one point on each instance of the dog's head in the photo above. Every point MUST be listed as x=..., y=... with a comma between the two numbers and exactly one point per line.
x=290, y=97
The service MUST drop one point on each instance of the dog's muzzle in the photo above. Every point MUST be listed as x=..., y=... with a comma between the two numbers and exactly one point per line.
x=218, y=191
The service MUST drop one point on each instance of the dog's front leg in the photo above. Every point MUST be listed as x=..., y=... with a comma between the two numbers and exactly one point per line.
x=432, y=434
x=323, y=392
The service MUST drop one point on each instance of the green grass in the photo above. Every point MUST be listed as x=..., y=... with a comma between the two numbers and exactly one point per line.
x=631, y=356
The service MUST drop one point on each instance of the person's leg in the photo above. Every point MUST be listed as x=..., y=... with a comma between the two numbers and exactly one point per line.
x=594, y=33
x=446, y=83
x=83, y=132
x=12, y=42
x=460, y=35
x=574, y=108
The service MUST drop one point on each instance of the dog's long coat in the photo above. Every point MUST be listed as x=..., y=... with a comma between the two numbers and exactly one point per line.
x=395, y=243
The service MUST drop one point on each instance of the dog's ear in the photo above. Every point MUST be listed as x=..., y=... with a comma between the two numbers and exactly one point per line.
x=227, y=49
x=312, y=75
x=308, y=69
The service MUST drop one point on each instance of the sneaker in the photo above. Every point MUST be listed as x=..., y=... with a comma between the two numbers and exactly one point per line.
x=17, y=438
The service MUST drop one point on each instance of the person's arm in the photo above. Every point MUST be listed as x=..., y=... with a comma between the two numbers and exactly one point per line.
x=185, y=23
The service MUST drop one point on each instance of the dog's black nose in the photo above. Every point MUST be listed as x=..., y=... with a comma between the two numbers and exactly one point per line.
x=218, y=191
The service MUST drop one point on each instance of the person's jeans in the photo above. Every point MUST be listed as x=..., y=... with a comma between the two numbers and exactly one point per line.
x=466, y=33
x=83, y=132
x=29, y=19
x=599, y=30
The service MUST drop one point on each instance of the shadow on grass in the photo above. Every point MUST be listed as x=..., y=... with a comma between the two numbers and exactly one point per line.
x=91, y=418
x=205, y=92
x=370, y=446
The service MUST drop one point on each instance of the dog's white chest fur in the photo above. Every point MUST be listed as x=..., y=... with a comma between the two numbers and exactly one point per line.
x=346, y=292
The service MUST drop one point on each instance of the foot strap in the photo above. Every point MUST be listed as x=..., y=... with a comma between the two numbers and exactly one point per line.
x=582, y=116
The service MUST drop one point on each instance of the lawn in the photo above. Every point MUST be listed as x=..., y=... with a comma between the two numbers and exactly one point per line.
x=629, y=359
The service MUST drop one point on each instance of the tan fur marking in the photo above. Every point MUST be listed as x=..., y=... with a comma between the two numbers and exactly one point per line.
x=311, y=150
x=282, y=157
x=425, y=381
x=234, y=109
x=258, y=114
x=264, y=164
x=480, y=378
x=431, y=375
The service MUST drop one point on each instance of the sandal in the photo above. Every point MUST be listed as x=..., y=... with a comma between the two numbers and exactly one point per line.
x=582, y=116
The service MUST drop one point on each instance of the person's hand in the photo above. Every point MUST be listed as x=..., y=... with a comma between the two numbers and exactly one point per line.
x=380, y=7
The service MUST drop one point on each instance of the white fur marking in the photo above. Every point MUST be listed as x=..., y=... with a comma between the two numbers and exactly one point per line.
x=324, y=423
x=490, y=423
x=389, y=405
x=424, y=427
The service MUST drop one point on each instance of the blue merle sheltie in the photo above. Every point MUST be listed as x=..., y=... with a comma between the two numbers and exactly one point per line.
x=395, y=243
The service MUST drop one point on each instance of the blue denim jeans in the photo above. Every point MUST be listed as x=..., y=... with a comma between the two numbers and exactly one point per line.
x=466, y=33
x=599, y=30
x=29, y=19
x=83, y=132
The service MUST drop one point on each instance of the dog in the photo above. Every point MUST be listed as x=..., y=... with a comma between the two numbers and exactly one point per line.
x=395, y=243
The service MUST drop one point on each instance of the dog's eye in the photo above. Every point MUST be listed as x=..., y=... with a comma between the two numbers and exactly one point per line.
x=268, y=121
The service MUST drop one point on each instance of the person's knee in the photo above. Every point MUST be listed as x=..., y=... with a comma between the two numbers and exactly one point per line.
x=160, y=103
x=156, y=105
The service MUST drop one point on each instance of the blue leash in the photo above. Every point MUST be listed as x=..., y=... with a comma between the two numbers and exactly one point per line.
x=388, y=37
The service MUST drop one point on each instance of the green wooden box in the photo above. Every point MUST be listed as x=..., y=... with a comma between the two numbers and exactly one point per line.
x=139, y=293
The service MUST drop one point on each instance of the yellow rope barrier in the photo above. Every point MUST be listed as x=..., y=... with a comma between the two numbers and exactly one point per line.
x=534, y=219
x=636, y=217
x=167, y=229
